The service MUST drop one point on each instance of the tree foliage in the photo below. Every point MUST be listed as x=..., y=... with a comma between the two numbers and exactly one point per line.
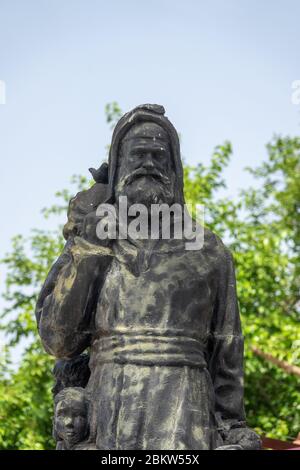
x=262, y=229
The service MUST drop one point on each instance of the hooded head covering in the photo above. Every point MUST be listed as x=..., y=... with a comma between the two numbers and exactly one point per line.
x=144, y=113
x=105, y=176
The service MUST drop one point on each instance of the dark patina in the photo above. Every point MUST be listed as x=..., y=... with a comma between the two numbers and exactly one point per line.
x=147, y=334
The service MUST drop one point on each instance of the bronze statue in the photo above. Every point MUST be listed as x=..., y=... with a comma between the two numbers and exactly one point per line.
x=160, y=322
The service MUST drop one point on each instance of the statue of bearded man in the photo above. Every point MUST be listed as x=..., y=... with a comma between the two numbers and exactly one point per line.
x=161, y=322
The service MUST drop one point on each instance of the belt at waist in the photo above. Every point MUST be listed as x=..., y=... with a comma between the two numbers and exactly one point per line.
x=143, y=349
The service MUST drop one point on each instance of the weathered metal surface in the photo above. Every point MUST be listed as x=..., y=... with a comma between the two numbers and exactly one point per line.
x=161, y=323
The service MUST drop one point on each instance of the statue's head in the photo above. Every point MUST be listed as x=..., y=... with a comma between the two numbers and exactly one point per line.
x=71, y=416
x=144, y=161
x=145, y=171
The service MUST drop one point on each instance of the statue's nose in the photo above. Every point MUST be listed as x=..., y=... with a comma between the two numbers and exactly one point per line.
x=148, y=161
x=68, y=422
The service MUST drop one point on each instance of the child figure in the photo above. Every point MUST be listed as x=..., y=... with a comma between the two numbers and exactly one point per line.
x=71, y=419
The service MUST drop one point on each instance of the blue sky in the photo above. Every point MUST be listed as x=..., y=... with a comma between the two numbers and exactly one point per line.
x=222, y=69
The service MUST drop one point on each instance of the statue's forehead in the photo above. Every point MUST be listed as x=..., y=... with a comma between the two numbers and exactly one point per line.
x=74, y=403
x=147, y=130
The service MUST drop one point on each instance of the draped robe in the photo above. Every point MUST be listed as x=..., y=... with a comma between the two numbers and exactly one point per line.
x=163, y=328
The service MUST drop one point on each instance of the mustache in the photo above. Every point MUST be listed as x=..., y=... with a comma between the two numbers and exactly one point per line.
x=128, y=179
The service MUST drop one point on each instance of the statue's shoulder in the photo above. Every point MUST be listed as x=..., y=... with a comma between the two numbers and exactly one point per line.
x=213, y=246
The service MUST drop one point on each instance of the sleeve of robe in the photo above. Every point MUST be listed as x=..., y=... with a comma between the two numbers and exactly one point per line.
x=66, y=305
x=226, y=349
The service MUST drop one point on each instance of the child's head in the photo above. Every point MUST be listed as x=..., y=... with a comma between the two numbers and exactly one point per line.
x=70, y=420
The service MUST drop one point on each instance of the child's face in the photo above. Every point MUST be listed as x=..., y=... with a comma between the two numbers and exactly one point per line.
x=71, y=421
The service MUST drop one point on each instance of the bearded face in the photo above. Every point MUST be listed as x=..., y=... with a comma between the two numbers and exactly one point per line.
x=145, y=173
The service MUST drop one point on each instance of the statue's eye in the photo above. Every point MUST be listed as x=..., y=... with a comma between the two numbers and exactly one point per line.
x=139, y=153
x=160, y=153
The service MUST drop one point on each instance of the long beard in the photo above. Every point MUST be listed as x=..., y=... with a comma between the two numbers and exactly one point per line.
x=146, y=189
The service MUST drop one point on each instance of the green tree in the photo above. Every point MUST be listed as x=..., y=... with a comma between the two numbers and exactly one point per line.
x=262, y=229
